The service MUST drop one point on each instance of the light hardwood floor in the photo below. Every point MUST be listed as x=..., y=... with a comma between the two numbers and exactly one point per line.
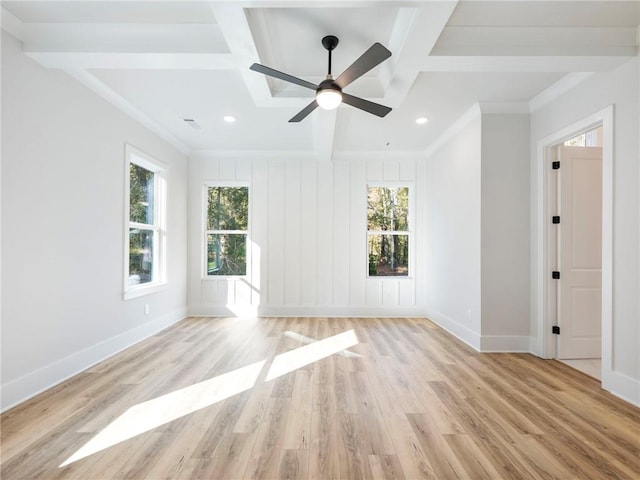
x=407, y=401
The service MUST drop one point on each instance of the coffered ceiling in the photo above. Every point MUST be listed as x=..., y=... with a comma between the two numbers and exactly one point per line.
x=166, y=61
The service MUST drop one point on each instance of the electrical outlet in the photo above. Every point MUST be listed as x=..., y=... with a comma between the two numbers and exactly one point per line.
x=146, y=309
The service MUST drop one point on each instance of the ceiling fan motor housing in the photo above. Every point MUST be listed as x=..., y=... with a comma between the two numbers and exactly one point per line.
x=328, y=84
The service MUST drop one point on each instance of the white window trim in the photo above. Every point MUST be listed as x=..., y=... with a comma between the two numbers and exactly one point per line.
x=140, y=158
x=409, y=232
x=205, y=232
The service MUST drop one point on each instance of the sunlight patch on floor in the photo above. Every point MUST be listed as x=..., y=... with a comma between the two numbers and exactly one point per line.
x=146, y=416
x=151, y=414
x=305, y=339
x=302, y=356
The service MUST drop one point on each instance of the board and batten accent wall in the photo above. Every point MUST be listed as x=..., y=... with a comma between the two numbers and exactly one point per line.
x=307, y=238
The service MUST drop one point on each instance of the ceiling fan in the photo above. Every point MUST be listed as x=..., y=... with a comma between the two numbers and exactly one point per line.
x=329, y=93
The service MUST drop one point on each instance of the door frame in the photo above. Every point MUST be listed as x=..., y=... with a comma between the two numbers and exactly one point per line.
x=544, y=342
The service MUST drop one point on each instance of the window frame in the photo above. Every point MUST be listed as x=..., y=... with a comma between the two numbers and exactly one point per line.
x=159, y=274
x=205, y=232
x=408, y=233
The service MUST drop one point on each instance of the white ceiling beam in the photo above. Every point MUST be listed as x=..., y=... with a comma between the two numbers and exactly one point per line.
x=505, y=49
x=123, y=38
x=423, y=30
x=497, y=38
x=135, y=61
x=324, y=132
x=521, y=64
x=234, y=26
x=399, y=32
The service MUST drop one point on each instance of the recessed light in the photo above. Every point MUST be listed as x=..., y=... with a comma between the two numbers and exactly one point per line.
x=229, y=119
x=421, y=120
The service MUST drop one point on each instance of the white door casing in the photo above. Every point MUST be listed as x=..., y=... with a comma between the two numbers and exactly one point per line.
x=580, y=252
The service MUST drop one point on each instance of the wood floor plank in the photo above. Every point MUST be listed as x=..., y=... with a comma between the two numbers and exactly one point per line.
x=229, y=460
x=407, y=401
x=409, y=452
x=385, y=467
x=443, y=460
x=264, y=460
x=476, y=465
x=294, y=464
x=298, y=428
x=323, y=454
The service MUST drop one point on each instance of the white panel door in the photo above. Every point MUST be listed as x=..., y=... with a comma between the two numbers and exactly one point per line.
x=580, y=252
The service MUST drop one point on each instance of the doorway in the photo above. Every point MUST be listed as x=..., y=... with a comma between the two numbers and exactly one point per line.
x=547, y=255
x=576, y=199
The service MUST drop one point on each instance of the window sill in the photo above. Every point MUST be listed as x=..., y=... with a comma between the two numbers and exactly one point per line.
x=139, y=291
x=389, y=277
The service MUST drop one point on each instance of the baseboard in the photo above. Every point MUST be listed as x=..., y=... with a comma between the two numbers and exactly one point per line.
x=306, y=311
x=622, y=386
x=455, y=328
x=214, y=310
x=504, y=343
x=338, y=311
x=27, y=386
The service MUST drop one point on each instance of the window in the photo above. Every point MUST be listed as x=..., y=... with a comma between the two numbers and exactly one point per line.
x=388, y=230
x=226, y=231
x=592, y=138
x=146, y=211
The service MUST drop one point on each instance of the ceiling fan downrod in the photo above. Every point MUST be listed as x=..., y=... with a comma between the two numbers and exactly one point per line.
x=330, y=42
x=329, y=93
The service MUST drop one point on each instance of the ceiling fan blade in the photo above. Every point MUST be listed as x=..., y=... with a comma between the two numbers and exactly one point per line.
x=304, y=112
x=256, y=67
x=366, y=105
x=373, y=57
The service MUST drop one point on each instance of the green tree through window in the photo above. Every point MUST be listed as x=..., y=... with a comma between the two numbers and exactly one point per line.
x=145, y=238
x=227, y=226
x=388, y=231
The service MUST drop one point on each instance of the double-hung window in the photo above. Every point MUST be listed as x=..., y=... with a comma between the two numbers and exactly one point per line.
x=146, y=215
x=388, y=234
x=227, y=222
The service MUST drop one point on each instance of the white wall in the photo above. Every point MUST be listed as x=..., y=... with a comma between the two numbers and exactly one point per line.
x=452, y=262
x=308, y=237
x=505, y=237
x=619, y=88
x=62, y=228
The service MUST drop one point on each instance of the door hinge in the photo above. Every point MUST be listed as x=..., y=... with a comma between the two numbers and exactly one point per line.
x=555, y=165
x=555, y=330
x=555, y=275
x=555, y=219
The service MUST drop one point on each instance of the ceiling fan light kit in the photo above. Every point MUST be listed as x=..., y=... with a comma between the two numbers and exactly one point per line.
x=329, y=94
